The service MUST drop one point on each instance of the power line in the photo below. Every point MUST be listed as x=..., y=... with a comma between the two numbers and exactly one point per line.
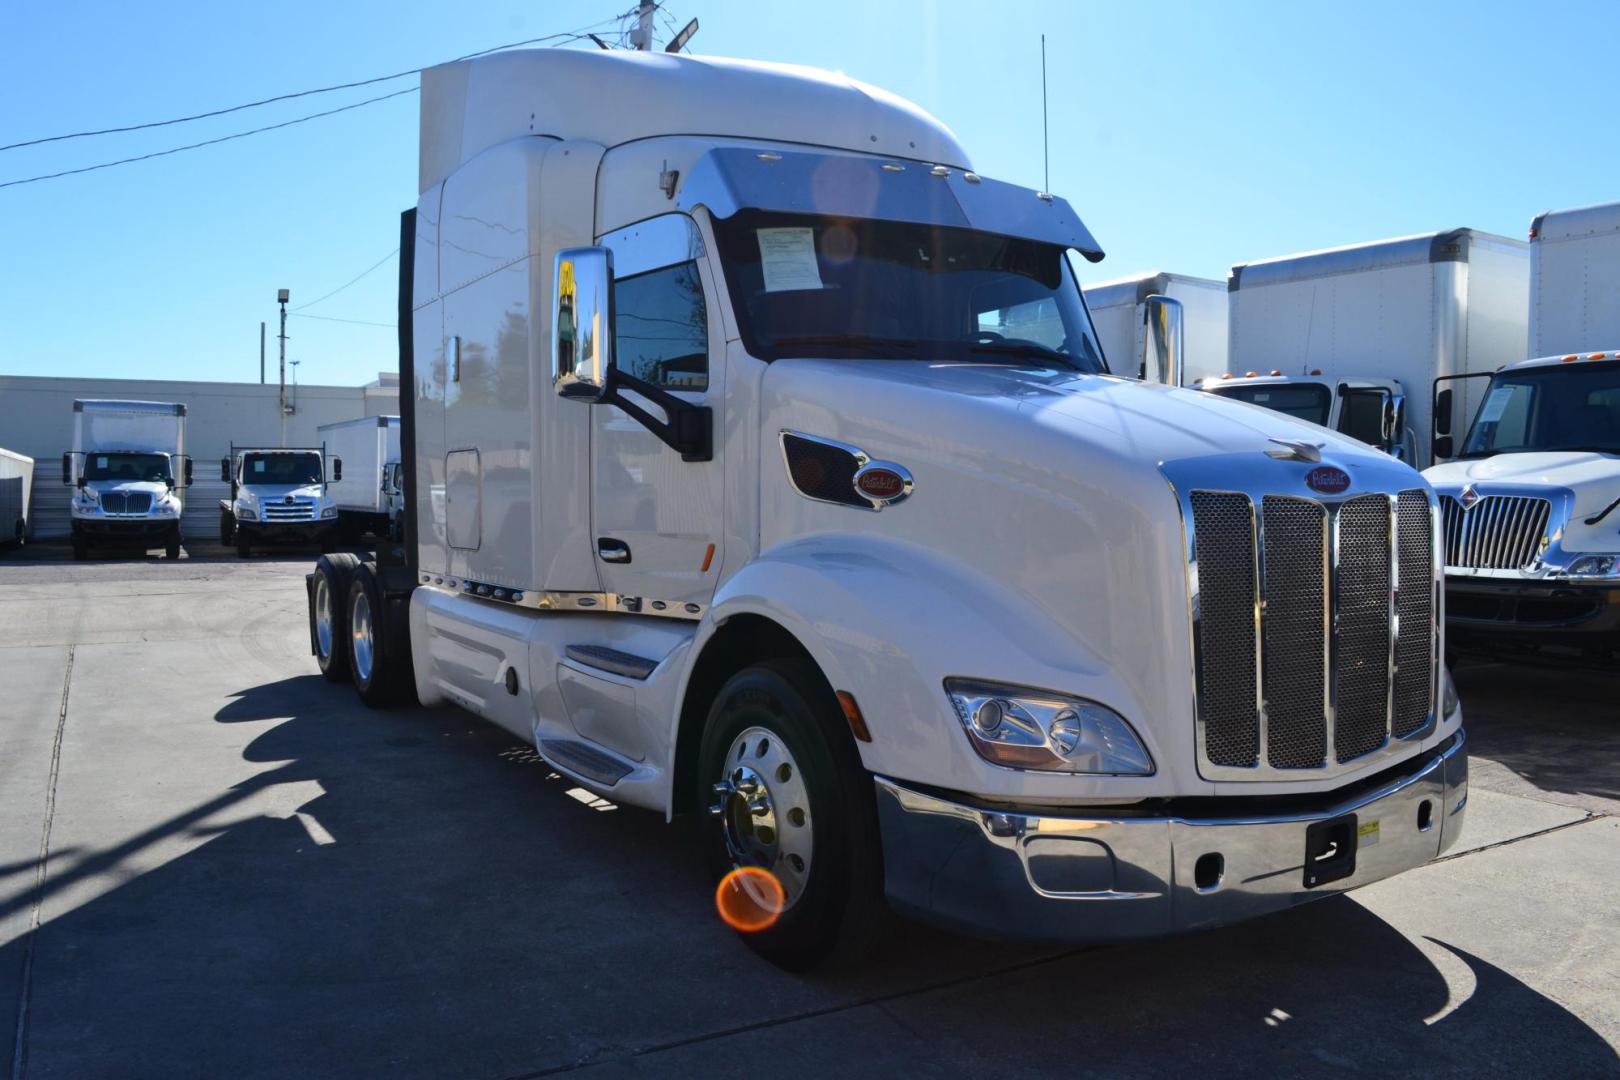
x=346, y=284
x=330, y=318
x=207, y=142
x=571, y=35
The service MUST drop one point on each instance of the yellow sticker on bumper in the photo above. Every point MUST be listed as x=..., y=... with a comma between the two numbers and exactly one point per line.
x=1367, y=834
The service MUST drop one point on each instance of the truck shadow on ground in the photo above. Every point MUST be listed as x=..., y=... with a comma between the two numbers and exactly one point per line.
x=1559, y=730
x=448, y=906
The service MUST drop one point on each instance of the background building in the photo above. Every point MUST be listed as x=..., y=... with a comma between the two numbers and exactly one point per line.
x=36, y=418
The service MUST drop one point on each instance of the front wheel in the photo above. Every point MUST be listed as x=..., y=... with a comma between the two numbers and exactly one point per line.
x=171, y=550
x=81, y=550
x=785, y=791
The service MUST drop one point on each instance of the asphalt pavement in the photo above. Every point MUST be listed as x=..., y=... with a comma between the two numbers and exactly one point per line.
x=215, y=863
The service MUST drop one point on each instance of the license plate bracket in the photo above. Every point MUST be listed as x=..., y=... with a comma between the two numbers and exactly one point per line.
x=1330, y=850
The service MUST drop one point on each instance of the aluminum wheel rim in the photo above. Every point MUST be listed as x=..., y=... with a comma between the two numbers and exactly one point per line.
x=361, y=619
x=323, y=616
x=764, y=810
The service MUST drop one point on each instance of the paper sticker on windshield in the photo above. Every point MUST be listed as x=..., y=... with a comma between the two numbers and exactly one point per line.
x=788, y=258
x=258, y=466
x=1495, y=405
x=101, y=461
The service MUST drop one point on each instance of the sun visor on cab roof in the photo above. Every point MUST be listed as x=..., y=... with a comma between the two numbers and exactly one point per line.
x=730, y=179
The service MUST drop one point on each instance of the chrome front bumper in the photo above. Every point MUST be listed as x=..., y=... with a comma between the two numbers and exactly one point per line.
x=1091, y=878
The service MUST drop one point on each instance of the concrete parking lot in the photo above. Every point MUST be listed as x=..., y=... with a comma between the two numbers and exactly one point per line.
x=214, y=863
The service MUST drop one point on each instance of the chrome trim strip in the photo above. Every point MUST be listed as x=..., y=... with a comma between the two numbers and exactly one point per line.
x=1393, y=525
x=1257, y=529
x=542, y=600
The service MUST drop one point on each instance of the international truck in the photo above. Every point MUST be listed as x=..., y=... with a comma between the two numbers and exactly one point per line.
x=763, y=464
x=130, y=471
x=1120, y=312
x=1352, y=338
x=370, y=499
x=16, y=489
x=1531, y=495
x=279, y=495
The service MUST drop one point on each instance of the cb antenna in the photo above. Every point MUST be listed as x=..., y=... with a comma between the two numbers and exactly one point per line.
x=1046, y=151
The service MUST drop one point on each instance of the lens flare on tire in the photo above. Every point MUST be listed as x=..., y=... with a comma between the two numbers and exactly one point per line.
x=749, y=899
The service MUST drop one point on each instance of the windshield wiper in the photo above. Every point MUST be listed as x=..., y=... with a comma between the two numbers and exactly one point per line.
x=893, y=346
x=1028, y=351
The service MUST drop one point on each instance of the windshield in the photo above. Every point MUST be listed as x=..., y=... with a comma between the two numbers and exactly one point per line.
x=142, y=468
x=281, y=469
x=1574, y=407
x=1305, y=401
x=803, y=285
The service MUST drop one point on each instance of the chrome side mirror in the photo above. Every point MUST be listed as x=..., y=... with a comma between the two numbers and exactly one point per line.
x=1394, y=420
x=582, y=324
x=224, y=470
x=67, y=468
x=337, y=469
x=1163, y=344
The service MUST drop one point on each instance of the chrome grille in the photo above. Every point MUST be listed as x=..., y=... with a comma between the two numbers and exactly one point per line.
x=133, y=502
x=1295, y=658
x=282, y=510
x=1361, y=627
x=1227, y=697
x=1414, y=660
x=1499, y=532
x=1318, y=584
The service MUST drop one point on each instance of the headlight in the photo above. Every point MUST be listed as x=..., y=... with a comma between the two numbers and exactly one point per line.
x=1593, y=566
x=86, y=500
x=1021, y=728
x=245, y=514
x=329, y=512
x=1448, y=693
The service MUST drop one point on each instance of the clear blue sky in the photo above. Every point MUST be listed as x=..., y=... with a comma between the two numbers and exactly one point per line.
x=1189, y=136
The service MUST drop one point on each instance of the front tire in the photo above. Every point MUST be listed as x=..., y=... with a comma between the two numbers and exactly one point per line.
x=171, y=550
x=81, y=550
x=328, y=611
x=785, y=790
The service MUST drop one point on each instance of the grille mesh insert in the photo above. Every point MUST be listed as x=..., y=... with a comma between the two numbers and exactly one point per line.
x=1295, y=663
x=1414, y=676
x=822, y=472
x=1361, y=700
x=1223, y=526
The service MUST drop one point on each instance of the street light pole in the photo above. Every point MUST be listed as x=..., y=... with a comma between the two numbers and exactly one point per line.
x=281, y=397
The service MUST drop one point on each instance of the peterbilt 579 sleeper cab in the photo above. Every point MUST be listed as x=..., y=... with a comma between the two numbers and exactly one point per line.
x=762, y=463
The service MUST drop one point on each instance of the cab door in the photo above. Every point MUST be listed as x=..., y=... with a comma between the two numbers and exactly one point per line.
x=657, y=519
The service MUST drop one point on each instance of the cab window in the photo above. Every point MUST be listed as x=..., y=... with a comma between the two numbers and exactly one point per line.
x=661, y=327
x=1361, y=415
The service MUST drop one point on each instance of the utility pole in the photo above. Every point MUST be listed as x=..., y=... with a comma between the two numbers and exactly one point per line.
x=261, y=352
x=281, y=398
x=642, y=36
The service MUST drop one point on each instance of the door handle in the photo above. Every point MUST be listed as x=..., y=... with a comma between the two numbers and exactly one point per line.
x=611, y=550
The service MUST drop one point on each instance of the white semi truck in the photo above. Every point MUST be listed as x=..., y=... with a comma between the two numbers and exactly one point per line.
x=762, y=463
x=1531, y=496
x=16, y=491
x=1120, y=311
x=278, y=496
x=130, y=469
x=370, y=499
x=1352, y=338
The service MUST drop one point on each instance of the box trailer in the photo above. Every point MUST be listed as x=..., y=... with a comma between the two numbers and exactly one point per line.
x=367, y=496
x=130, y=471
x=1352, y=338
x=1532, y=496
x=1119, y=310
x=16, y=490
x=733, y=489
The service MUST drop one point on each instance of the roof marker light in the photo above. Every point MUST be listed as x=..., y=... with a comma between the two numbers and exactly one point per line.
x=1249, y=374
x=1596, y=356
x=1316, y=371
x=1274, y=371
x=1570, y=358
x=1228, y=375
x=890, y=166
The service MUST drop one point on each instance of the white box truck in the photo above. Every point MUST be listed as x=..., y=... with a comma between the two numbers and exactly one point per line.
x=368, y=498
x=130, y=469
x=1352, y=338
x=1531, y=496
x=279, y=495
x=16, y=491
x=1119, y=310
x=734, y=489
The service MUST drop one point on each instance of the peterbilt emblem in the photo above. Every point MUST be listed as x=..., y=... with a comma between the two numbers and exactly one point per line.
x=1469, y=496
x=1328, y=480
x=883, y=483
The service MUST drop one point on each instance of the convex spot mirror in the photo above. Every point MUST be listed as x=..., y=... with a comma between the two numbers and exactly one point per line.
x=582, y=323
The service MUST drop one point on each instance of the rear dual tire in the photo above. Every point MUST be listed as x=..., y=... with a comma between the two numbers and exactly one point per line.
x=329, y=612
x=377, y=646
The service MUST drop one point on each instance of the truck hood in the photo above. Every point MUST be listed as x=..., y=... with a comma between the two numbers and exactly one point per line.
x=128, y=487
x=272, y=492
x=1593, y=478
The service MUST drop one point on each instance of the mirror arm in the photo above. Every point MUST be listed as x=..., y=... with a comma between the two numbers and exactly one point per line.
x=690, y=429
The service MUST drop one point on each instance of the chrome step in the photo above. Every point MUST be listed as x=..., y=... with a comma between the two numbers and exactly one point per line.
x=583, y=759
x=612, y=661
